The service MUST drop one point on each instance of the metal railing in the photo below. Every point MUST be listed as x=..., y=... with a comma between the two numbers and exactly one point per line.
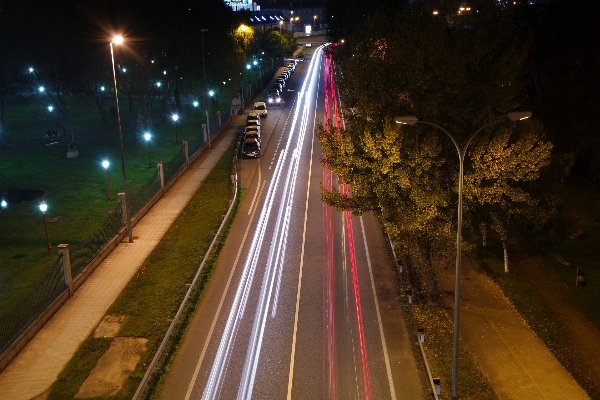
x=13, y=323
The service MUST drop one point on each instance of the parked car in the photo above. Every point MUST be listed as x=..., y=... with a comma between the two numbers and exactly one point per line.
x=252, y=135
x=281, y=81
x=273, y=96
x=277, y=86
x=253, y=116
x=251, y=125
x=260, y=108
x=251, y=148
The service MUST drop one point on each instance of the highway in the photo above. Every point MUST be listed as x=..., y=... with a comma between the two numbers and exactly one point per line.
x=302, y=303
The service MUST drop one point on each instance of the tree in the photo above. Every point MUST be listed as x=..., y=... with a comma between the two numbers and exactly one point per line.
x=459, y=75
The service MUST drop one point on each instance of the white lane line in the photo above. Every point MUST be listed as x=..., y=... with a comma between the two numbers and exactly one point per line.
x=257, y=194
x=385, y=352
x=295, y=335
x=218, y=312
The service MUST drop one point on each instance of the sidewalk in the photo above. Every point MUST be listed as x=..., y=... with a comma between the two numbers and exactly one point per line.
x=516, y=362
x=36, y=368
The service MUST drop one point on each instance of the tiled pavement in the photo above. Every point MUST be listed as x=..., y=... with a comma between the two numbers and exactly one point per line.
x=34, y=370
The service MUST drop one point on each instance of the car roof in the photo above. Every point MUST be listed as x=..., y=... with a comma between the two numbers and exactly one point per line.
x=260, y=103
x=251, y=141
x=252, y=114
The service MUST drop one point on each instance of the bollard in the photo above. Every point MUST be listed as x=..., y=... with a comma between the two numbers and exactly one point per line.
x=421, y=332
x=436, y=382
x=161, y=172
x=581, y=281
x=63, y=250
x=409, y=295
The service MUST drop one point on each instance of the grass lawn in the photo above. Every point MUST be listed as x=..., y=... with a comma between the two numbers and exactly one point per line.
x=155, y=293
x=75, y=189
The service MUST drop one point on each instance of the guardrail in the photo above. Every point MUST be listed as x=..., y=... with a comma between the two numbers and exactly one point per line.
x=163, y=344
x=412, y=320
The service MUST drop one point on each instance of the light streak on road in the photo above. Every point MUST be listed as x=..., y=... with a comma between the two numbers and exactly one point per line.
x=281, y=188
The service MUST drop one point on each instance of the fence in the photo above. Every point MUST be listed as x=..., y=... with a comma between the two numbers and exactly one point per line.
x=38, y=300
x=52, y=291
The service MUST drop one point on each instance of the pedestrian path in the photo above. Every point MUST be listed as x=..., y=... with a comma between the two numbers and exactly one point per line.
x=516, y=362
x=36, y=368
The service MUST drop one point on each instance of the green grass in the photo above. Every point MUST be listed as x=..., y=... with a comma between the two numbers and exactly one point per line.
x=153, y=296
x=438, y=344
x=75, y=189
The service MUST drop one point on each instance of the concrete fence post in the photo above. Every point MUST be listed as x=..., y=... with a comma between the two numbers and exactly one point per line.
x=65, y=261
x=123, y=208
x=161, y=173
x=208, y=129
x=186, y=152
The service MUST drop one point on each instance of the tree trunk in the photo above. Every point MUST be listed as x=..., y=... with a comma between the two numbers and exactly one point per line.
x=505, y=249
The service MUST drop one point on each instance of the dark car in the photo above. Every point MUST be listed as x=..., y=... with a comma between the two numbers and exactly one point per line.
x=252, y=135
x=277, y=86
x=252, y=125
x=281, y=81
x=251, y=148
x=273, y=97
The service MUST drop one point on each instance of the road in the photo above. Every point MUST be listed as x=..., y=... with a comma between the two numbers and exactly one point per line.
x=302, y=303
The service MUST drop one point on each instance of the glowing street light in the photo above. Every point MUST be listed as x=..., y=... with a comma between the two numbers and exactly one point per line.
x=147, y=137
x=102, y=88
x=50, y=108
x=411, y=120
x=280, y=25
x=3, y=203
x=175, y=119
x=43, y=209
x=105, y=164
x=119, y=40
x=41, y=89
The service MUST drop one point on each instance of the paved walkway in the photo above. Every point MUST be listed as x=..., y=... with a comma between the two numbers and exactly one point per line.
x=36, y=368
x=516, y=362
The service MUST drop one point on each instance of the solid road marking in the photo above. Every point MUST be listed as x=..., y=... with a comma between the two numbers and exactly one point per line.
x=385, y=352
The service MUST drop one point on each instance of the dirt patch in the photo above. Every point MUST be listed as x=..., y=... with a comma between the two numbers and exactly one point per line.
x=113, y=368
x=109, y=327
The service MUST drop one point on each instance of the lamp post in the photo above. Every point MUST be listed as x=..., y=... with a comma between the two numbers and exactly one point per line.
x=195, y=103
x=280, y=25
x=207, y=102
x=119, y=40
x=315, y=21
x=411, y=120
x=105, y=164
x=147, y=137
x=43, y=208
x=175, y=119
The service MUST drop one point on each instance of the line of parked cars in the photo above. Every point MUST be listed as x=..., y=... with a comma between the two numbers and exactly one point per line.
x=251, y=134
x=274, y=93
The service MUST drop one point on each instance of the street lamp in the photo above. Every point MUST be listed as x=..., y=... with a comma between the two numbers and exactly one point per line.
x=315, y=21
x=175, y=119
x=43, y=208
x=41, y=89
x=195, y=103
x=147, y=137
x=50, y=108
x=280, y=25
x=119, y=40
x=411, y=120
x=105, y=164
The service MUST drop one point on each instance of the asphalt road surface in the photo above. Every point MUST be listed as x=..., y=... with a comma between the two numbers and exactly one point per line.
x=302, y=304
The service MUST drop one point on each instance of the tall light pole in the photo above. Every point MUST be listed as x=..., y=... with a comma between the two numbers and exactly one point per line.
x=208, y=108
x=411, y=120
x=147, y=137
x=315, y=21
x=43, y=208
x=280, y=25
x=105, y=164
x=175, y=119
x=119, y=40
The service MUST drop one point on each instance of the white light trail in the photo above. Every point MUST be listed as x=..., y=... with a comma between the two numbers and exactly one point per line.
x=274, y=265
